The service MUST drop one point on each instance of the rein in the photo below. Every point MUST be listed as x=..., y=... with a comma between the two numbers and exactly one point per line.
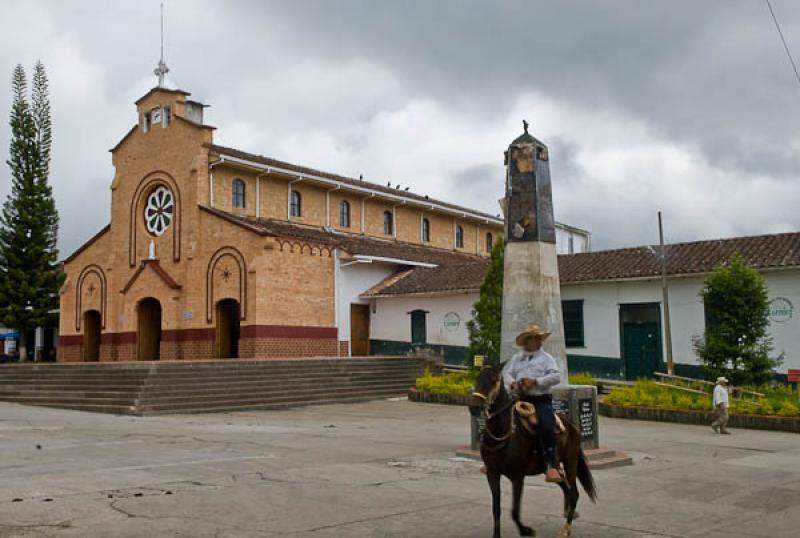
x=488, y=402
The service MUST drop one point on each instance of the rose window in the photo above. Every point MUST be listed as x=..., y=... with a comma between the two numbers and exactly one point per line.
x=159, y=212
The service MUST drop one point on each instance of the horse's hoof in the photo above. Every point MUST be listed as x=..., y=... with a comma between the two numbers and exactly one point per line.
x=575, y=514
x=526, y=531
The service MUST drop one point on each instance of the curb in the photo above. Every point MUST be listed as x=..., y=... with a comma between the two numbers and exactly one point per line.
x=704, y=418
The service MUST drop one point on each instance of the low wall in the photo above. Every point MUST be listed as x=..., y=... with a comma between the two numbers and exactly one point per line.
x=753, y=422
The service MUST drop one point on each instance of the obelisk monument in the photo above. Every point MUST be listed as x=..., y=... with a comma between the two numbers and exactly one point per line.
x=531, y=289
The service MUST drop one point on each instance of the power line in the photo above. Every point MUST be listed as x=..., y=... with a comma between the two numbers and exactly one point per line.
x=783, y=40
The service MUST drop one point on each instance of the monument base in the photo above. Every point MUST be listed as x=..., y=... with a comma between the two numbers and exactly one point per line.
x=577, y=402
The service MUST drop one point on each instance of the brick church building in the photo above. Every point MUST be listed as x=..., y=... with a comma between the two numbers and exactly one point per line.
x=212, y=252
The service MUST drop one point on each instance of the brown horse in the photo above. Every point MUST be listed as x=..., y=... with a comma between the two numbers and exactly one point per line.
x=508, y=451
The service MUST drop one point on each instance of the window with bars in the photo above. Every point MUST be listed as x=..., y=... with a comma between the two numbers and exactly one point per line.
x=459, y=236
x=388, y=223
x=573, y=322
x=238, y=193
x=295, y=204
x=344, y=214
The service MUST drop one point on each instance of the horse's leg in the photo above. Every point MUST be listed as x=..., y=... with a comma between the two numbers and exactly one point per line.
x=494, y=484
x=517, y=483
x=571, y=494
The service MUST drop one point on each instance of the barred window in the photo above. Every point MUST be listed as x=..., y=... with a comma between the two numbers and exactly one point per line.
x=295, y=204
x=344, y=214
x=573, y=322
x=388, y=223
x=238, y=193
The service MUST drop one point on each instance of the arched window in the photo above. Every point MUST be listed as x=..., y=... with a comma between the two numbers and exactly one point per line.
x=344, y=214
x=459, y=237
x=426, y=230
x=295, y=204
x=238, y=193
x=388, y=224
x=489, y=242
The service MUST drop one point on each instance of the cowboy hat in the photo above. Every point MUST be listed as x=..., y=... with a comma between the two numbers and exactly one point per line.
x=721, y=379
x=531, y=331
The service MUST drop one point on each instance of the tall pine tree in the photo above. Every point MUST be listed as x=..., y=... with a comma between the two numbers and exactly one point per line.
x=30, y=275
x=485, y=326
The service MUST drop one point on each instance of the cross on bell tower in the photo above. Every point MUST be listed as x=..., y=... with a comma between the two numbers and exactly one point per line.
x=161, y=70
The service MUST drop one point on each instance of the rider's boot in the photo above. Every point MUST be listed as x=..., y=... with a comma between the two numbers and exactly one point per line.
x=552, y=474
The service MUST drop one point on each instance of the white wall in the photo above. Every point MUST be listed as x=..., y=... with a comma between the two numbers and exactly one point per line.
x=601, y=314
x=391, y=321
x=580, y=241
x=351, y=281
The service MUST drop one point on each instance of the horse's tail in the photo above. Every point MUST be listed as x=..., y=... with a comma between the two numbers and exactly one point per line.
x=585, y=477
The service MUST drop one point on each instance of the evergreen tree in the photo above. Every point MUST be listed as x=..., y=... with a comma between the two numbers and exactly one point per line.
x=736, y=343
x=30, y=275
x=485, y=326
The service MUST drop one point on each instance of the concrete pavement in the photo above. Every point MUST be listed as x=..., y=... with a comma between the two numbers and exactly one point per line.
x=385, y=468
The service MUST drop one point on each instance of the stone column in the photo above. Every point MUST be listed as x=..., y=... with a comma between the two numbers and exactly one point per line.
x=531, y=288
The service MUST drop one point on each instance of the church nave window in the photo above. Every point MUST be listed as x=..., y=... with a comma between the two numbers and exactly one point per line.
x=238, y=193
x=459, y=237
x=295, y=204
x=489, y=242
x=388, y=223
x=344, y=214
x=426, y=230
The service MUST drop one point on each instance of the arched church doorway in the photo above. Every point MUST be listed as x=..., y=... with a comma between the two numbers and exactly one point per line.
x=91, y=336
x=227, y=329
x=148, y=335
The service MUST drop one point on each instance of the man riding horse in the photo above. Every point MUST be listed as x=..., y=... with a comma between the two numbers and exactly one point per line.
x=532, y=372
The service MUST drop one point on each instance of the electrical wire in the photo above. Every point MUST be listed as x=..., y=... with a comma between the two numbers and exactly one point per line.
x=783, y=40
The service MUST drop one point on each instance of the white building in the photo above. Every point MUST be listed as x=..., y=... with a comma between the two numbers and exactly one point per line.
x=612, y=304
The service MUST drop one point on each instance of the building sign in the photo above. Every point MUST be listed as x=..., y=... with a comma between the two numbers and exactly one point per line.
x=452, y=321
x=780, y=310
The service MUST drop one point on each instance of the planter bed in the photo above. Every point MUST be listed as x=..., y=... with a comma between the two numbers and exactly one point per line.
x=753, y=422
x=429, y=397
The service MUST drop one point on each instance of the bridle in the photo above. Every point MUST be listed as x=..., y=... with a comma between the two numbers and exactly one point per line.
x=488, y=401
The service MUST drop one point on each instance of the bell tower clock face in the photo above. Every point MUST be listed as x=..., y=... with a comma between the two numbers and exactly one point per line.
x=159, y=211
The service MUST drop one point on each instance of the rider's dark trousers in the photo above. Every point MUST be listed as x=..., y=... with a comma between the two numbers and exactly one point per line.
x=546, y=428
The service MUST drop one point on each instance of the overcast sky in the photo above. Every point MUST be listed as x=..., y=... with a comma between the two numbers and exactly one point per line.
x=684, y=106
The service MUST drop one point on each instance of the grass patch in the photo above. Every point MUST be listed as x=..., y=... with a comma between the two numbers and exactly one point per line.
x=453, y=383
x=781, y=400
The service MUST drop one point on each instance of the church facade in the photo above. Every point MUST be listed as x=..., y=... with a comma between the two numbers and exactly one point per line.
x=214, y=253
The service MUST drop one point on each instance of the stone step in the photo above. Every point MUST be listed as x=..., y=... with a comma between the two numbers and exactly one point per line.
x=92, y=408
x=283, y=378
x=285, y=403
x=261, y=386
x=300, y=393
x=231, y=371
x=69, y=392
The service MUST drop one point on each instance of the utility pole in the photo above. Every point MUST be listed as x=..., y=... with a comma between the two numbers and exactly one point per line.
x=665, y=297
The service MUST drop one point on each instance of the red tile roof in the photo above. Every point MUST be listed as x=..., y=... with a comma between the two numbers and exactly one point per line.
x=697, y=257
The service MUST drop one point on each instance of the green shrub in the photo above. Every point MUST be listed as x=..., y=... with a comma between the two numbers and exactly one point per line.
x=453, y=383
x=780, y=400
x=582, y=378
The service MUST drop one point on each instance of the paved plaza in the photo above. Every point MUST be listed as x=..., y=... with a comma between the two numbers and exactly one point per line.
x=385, y=468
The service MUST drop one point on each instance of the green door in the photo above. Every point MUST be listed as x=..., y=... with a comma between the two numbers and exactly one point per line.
x=418, y=330
x=641, y=339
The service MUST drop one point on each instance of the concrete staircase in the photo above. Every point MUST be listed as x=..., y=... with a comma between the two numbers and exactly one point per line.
x=150, y=388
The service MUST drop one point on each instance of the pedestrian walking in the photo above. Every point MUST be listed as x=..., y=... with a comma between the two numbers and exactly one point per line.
x=721, y=406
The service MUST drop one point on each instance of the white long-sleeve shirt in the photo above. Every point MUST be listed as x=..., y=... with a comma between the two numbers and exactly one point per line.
x=538, y=365
x=720, y=396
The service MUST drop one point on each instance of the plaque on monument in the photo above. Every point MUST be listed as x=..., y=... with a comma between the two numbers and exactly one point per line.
x=586, y=418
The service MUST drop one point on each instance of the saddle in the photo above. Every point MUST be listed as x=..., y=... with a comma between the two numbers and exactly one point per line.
x=526, y=412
